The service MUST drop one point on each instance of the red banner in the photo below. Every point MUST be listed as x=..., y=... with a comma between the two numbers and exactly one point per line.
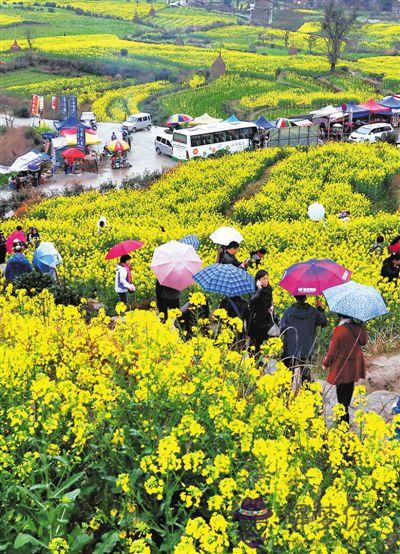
x=35, y=104
x=54, y=102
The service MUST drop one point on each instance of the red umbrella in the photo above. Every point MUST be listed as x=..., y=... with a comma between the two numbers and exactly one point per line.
x=313, y=277
x=122, y=248
x=72, y=153
x=19, y=235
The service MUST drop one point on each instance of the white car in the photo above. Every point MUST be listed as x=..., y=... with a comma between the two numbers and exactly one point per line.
x=137, y=122
x=369, y=133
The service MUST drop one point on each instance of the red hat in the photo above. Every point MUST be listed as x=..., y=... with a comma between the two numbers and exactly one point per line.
x=394, y=248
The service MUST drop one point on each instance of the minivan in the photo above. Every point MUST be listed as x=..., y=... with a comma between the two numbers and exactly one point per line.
x=163, y=145
x=369, y=133
x=137, y=122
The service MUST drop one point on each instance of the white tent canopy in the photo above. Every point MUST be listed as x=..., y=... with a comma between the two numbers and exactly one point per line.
x=329, y=111
x=303, y=123
x=21, y=163
x=205, y=119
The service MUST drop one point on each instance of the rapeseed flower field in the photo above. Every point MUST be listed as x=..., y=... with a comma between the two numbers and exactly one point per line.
x=129, y=438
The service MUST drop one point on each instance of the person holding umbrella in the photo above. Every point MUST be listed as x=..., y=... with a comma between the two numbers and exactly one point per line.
x=299, y=327
x=261, y=316
x=123, y=279
x=228, y=255
x=345, y=359
x=167, y=298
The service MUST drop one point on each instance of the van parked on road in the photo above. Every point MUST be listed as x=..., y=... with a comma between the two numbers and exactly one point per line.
x=137, y=122
x=369, y=133
x=163, y=145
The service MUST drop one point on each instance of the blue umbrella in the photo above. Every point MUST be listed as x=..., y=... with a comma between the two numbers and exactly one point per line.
x=192, y=240
x=355, y=300
x=46, y=256
x=34, y=166
x=225, y=279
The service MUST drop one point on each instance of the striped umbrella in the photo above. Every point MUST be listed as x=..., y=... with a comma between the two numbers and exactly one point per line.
x=282, y=122
x=179, y=118
x=192, y=240
x=225, y=279
x=117, y=146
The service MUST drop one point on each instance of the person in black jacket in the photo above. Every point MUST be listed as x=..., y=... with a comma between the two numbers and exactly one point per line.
x=299, y=327
x=167, y=299
x=391, y=267
x=228, y=256
x=261, y=310
x=3, y=250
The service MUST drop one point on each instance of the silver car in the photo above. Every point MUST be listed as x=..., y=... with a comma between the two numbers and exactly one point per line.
x=163, y=145
x=137, y=122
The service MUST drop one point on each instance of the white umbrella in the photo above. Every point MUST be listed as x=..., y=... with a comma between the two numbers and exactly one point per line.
x=316, y=211
x=225, y=235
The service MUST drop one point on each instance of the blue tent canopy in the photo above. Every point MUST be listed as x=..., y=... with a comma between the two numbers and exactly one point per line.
x=358, y=111
x=390, y=102
x=69, y=123
x=232, y=119
x=264, y=123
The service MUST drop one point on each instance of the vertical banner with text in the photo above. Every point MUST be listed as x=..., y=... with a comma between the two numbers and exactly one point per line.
x=35, y=104
x=54, y=102
x=63, y=107
x=80, y=136
x=72, y=105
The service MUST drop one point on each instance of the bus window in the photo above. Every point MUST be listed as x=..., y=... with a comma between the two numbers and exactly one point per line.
x=195, y=141
x=208, y=139
x=178, y=137
x=220, y=137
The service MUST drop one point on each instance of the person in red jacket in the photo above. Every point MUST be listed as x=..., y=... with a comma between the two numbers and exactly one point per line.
x=345, y=359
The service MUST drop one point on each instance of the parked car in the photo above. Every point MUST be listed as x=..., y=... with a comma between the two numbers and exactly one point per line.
x=137, y=122
x=369, y=133
x=90, y=119
x=163, y=145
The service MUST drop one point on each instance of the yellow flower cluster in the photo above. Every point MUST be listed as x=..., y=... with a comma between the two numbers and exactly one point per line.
x=115, y=105
x=155, y=441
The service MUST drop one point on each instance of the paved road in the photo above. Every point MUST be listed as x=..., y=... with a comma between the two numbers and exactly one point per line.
x=142, y=157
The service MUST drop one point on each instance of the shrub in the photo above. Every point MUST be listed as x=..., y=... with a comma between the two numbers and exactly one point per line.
x=22, y=111
x=123, y=52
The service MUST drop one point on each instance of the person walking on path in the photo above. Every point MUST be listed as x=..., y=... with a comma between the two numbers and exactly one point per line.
x=17, y=264
x=345, y=360
x=167, y=298
x=113, y=136
x=123, y=279
x=299, y=327
x=261, y=310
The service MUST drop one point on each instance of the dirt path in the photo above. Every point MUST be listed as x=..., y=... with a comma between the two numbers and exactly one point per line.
x=251, y=189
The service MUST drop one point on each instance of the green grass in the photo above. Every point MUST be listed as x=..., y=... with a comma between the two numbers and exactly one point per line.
x=24, y=77
x=64, y=22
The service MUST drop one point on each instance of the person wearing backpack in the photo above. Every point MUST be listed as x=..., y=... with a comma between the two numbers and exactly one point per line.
x=345, y=359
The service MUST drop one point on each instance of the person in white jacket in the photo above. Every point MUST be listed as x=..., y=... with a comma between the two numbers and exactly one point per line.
x=123, y=279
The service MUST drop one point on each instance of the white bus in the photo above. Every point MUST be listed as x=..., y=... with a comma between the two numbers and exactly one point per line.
x=205, y=140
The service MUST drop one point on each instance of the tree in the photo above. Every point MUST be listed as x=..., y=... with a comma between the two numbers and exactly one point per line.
x=311, y=39
x=30, y=38
x=336, y=25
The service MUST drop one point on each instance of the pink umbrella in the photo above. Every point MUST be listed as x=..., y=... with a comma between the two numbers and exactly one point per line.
x=125, y=247
x=175, y=263
x=313, y=277
x=15, y=235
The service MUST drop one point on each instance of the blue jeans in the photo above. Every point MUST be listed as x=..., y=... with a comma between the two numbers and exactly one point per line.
x=123, y=297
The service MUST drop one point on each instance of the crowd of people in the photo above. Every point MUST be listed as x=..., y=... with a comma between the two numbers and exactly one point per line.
x=298, y=325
